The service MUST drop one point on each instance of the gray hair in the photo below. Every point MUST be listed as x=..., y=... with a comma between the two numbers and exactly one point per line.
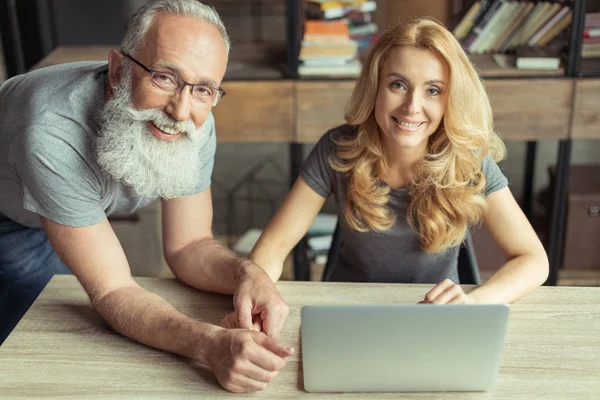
x=142, y=19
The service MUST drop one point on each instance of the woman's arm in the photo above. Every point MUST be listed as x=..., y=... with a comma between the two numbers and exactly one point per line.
x=288, y=226
x=527, y=265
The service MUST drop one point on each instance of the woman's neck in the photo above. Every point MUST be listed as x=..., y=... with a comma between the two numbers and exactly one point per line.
x=401, y=164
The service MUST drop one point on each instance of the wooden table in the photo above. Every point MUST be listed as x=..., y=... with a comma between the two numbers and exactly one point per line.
x=62, y=348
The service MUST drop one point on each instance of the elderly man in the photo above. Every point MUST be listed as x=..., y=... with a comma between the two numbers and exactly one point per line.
x=83, y=141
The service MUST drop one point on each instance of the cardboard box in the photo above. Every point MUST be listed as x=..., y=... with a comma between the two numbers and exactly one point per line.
x=582, y=225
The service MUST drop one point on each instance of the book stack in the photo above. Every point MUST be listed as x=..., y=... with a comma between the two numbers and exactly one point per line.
x=533, y=57
x=334, y=31
x=590, y=48
x=499, y=26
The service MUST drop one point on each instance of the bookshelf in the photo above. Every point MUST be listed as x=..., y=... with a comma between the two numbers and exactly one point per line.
x=590, y=67
x=271, y=104
x=552, y=104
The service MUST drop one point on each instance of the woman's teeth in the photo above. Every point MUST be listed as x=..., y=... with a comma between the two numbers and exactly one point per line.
x=407, y=124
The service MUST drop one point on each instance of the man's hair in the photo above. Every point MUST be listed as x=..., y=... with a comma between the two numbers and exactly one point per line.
x=141, y=20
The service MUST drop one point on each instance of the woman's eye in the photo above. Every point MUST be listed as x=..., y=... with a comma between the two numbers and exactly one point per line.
x=397, y=85
x=433, y=91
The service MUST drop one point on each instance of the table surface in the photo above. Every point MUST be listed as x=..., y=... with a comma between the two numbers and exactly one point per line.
x=62, y=348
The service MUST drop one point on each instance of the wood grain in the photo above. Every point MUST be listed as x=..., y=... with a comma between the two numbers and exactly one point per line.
x=320, y=107
x=258, y=111
x=489, y=68
x=586, y=112
x=531, y=109
x=63, y=349
x=302, y=111
x=66, y=54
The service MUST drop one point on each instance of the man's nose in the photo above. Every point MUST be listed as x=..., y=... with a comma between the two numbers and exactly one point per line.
x=179, y=105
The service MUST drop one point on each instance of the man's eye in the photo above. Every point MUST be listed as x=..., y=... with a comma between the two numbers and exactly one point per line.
x=202, y=90
x=164, y=78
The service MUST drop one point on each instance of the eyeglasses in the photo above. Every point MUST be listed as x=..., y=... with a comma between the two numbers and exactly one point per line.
x=170, y=83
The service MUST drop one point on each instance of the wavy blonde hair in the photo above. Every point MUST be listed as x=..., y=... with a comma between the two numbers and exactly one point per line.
x=447, y=188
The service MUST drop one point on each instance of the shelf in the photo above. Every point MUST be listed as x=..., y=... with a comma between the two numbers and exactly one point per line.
x=526, y=109
x=237, y=69
x=590, y=67
x=586, y=116
x=490, y=69
x=541, y=110
x=66, y=54
x=256, y=112
x=320, y=107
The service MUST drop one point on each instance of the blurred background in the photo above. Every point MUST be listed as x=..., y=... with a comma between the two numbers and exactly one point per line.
x=292, y=68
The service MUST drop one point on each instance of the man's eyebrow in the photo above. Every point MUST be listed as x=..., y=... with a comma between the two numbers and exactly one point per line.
x=429, y=82
x=177, y=71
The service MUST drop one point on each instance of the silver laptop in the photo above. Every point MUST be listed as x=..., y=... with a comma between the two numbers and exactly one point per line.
x=402, y=347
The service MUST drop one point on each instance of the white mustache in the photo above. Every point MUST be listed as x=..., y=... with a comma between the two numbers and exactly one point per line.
x=162, y=120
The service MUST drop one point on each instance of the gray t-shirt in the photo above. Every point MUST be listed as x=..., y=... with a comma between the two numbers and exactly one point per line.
x=393, y=256
x=49, y=121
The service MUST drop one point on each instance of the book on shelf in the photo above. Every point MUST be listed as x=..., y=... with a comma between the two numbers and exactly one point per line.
x=310, y=50
x=334, y=31
x=464, y=26
x=513, y=26
x=592, y=20
x=503, y=25
x=480, y=23
x=492, y=29
x=590, y=48
x=553, y=32
x=591, y=32
x=346, y=69
x=326, y=31
x=551, y=22
x=316, y=9
x=532, y=57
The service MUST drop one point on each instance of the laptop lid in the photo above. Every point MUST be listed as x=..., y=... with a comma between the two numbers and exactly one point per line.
x=402, y=347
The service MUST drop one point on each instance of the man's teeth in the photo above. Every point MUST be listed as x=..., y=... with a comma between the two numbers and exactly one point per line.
x=169, y=130
x=407, y=124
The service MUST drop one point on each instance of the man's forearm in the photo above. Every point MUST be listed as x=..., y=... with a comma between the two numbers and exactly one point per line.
x=208, y=265
x=149, y=319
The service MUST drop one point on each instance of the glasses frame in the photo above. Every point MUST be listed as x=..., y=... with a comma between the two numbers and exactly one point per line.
x=181, y=83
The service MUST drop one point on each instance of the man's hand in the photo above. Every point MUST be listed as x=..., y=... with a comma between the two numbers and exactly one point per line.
x=231, y=322
x=245, y=361
x=446, y=292
x=258, y=304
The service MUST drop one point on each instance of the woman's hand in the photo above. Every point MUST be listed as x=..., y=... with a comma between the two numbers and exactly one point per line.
x=447, y=292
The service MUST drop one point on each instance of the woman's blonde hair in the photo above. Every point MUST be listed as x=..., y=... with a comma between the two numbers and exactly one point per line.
x=446, y=191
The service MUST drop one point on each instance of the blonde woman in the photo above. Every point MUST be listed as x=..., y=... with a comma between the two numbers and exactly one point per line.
x=412, y=169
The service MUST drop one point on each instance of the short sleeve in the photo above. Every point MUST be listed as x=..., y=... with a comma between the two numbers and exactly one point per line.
x=316, y=170
x=57, y=180
x=494, y=178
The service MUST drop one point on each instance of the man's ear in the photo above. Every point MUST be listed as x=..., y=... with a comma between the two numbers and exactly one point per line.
x=115, y=67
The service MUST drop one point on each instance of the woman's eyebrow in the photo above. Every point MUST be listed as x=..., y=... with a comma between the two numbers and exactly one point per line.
x=404, y=78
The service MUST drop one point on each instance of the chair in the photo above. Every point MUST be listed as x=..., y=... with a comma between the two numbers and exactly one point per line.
x=468, y=270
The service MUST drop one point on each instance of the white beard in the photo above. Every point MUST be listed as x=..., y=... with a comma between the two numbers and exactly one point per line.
x=127, y=150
